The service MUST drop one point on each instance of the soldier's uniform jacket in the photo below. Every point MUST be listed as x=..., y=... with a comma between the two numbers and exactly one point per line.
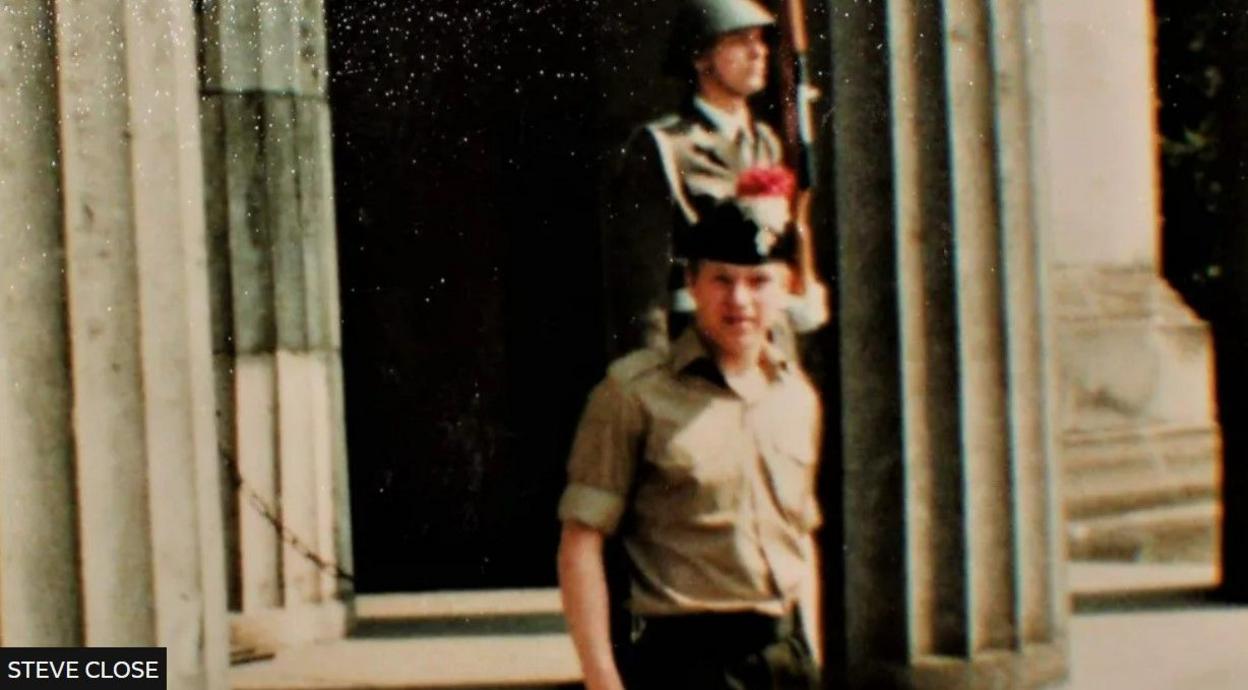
x=673, y=169
x=711, y=493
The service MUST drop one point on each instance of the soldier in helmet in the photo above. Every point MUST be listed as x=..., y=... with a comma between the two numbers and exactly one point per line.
x=678, y=165
x=701, y=459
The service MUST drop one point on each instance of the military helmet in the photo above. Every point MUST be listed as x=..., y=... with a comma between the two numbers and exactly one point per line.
x=698, y=22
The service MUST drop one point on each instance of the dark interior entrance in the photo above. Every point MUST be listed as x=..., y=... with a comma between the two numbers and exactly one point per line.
x=471, y=143
x=470, y=139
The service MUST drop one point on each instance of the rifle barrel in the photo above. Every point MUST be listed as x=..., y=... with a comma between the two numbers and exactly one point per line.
x=797, y=25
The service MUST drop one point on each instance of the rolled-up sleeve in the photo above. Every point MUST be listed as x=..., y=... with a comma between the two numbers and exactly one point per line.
x=603, y=459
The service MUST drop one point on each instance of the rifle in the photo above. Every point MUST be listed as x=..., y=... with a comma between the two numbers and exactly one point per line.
x=798, y=105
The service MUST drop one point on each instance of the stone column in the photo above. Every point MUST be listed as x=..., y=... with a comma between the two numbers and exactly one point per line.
x=951, y=531
x=39, y=593
x=111, y=533
x=276, y=328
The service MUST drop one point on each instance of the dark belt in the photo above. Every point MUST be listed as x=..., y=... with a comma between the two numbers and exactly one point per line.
x=717, y=651
x=745, y=629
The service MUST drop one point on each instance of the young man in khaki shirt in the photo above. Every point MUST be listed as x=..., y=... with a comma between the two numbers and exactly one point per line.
x=701, y=457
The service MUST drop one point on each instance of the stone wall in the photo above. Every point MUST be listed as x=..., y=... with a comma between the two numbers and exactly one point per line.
x=1139, y=440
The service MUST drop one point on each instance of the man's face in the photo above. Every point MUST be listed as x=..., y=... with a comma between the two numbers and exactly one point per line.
x=735, y=63
x=736, y=305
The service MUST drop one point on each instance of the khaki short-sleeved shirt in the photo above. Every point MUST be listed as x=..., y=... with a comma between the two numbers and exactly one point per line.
x=713, y=494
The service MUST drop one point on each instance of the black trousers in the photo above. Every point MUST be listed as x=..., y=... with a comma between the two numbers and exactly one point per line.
x=718, y=651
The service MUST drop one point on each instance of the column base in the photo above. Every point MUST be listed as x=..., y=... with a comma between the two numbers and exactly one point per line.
x=1140, y=444
x=270, y=630
x=1036, y=666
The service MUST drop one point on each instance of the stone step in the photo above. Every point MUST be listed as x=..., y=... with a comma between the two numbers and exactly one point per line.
x=1180, y=532
x=513, y=639
x=1109, y=473
x=1106, y=497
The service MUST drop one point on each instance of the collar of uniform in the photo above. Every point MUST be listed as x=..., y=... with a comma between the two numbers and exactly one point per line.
x=727, y=123
x=688, y=350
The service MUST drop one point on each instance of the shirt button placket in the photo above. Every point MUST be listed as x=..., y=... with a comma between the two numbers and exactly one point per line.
x=755, y=481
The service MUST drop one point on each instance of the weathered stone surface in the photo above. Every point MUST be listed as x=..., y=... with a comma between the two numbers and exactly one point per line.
x=1132, y=358
x=247, y=213
x=302, y=498
x=223, y=366
x=1131, y=352
x=217, y=222
x=1038, y=517
x=336, y=423
x=316, y=216
x=102, y=275
x=944, y=415
x=264, y=83
x=271, y=46
x=981, y=342
x=1098, y=132
x=1115, y=472
x=39, y=594
x=271, y=222
x=255, y=421
x=121, y=291
x=872, y=455
x=1136, y=409
x=175, y=339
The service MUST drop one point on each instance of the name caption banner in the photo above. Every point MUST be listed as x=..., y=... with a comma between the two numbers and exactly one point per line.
x=85, y=668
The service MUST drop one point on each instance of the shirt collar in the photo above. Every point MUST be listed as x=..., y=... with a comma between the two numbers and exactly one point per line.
x=688, y=350
x=727, y=123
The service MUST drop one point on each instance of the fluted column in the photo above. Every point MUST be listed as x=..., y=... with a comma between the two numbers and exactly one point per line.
x=276, y=327
x=111, y=532
x=950, y=524
x=39, y=594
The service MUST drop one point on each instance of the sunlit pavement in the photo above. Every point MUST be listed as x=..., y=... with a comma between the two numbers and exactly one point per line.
x=1148, y=627
x=491, y=639
x=1189, y=649
x=516, y=640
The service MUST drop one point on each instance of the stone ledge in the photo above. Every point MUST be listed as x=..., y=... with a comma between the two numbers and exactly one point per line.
x=1184, y=532
x=491, y=602
x=270, y=630
x=1113, y=293
x=1036, y=666
x=529, y=661
x=1099, y=578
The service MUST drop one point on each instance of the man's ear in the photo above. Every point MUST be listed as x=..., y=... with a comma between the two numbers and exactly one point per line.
x=701, y=64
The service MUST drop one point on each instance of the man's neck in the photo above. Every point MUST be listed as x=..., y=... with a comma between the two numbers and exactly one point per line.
x=731, y=364
x=748, y=380
x=729, y=104
x=739, y=364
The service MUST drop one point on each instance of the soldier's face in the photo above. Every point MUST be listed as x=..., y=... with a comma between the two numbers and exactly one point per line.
x=736, y=63
x=736, y=305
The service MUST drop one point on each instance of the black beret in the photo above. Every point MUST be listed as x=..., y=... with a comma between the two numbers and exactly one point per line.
x=726, y=233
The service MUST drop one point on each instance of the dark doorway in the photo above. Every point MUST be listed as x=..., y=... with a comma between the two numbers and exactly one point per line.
x=466, y=164
x=470, y=141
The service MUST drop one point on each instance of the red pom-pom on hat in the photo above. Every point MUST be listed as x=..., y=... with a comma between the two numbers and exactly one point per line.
x=766, y=181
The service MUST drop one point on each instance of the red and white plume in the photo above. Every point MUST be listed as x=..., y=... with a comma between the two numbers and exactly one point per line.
x=765, y=195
